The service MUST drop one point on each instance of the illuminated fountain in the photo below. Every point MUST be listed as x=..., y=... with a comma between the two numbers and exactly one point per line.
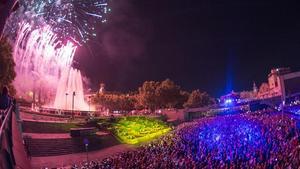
x=44, y=67
x=69, y=91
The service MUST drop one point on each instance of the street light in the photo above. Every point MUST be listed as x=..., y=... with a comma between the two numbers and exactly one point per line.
x=73, y=104
x=66, y=106
x=90, y=103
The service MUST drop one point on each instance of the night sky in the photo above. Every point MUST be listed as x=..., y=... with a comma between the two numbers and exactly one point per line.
x=200, y=44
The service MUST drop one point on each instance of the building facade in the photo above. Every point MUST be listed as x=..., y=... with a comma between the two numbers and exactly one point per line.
x=281, y=82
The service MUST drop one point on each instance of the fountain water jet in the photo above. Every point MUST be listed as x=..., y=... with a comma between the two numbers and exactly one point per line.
x=70, y=83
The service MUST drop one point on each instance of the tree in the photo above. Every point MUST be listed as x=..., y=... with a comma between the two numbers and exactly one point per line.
x=154, y=95
x=198, y=99
x=168, y=94
x=127, y=102
x=119, y=102
x=7, y=64
x=184, y=96
x=147, y=97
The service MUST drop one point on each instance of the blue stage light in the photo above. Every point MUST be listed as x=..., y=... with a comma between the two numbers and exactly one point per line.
x=228, y=101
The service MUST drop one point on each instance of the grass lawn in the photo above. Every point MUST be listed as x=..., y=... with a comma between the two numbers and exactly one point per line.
x=44, y=127
x=138, y=129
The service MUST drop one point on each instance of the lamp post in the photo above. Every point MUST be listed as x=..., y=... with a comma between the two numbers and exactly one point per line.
x=66, y=106
x=89, y=92
x=73, y=103
x=90, y=103
x=86, y=143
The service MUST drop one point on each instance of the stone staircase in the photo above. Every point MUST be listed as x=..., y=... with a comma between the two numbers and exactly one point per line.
x=55, y=147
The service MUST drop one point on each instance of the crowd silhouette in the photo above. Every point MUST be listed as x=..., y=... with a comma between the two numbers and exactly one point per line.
x=262, y=139
x=5, y=102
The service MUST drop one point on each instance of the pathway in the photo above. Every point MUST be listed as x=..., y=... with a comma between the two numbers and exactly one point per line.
x=67, y=160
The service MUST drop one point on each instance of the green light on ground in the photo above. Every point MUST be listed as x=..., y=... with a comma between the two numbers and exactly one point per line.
x=135, y=130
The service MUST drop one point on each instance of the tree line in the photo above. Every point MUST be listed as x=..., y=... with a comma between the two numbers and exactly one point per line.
x=154, y=95
x=7, y=65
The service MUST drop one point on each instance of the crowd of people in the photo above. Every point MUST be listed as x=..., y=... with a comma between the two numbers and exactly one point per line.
x=249, y=140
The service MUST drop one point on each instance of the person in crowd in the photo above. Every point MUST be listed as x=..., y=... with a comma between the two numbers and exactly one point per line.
x=4, y=103
x=5, y=99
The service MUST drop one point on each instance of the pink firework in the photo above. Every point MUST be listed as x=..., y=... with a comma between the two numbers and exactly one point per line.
x=39, y=50
x=40, y=58
x=44, y=63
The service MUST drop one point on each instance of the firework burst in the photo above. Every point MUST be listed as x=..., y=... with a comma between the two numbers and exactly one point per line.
x=69, y=19
x=40, y=51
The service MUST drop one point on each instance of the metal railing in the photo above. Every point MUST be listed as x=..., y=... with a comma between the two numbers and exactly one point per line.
x=6, y=141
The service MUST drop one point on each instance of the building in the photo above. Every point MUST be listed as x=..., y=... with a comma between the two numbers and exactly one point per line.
x=290, y=85
x=274, y=85
x=281, y=82
x=255, y=89
x=101, y=88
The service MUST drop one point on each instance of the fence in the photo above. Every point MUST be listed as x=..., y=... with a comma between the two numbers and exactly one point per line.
x=6, y=142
